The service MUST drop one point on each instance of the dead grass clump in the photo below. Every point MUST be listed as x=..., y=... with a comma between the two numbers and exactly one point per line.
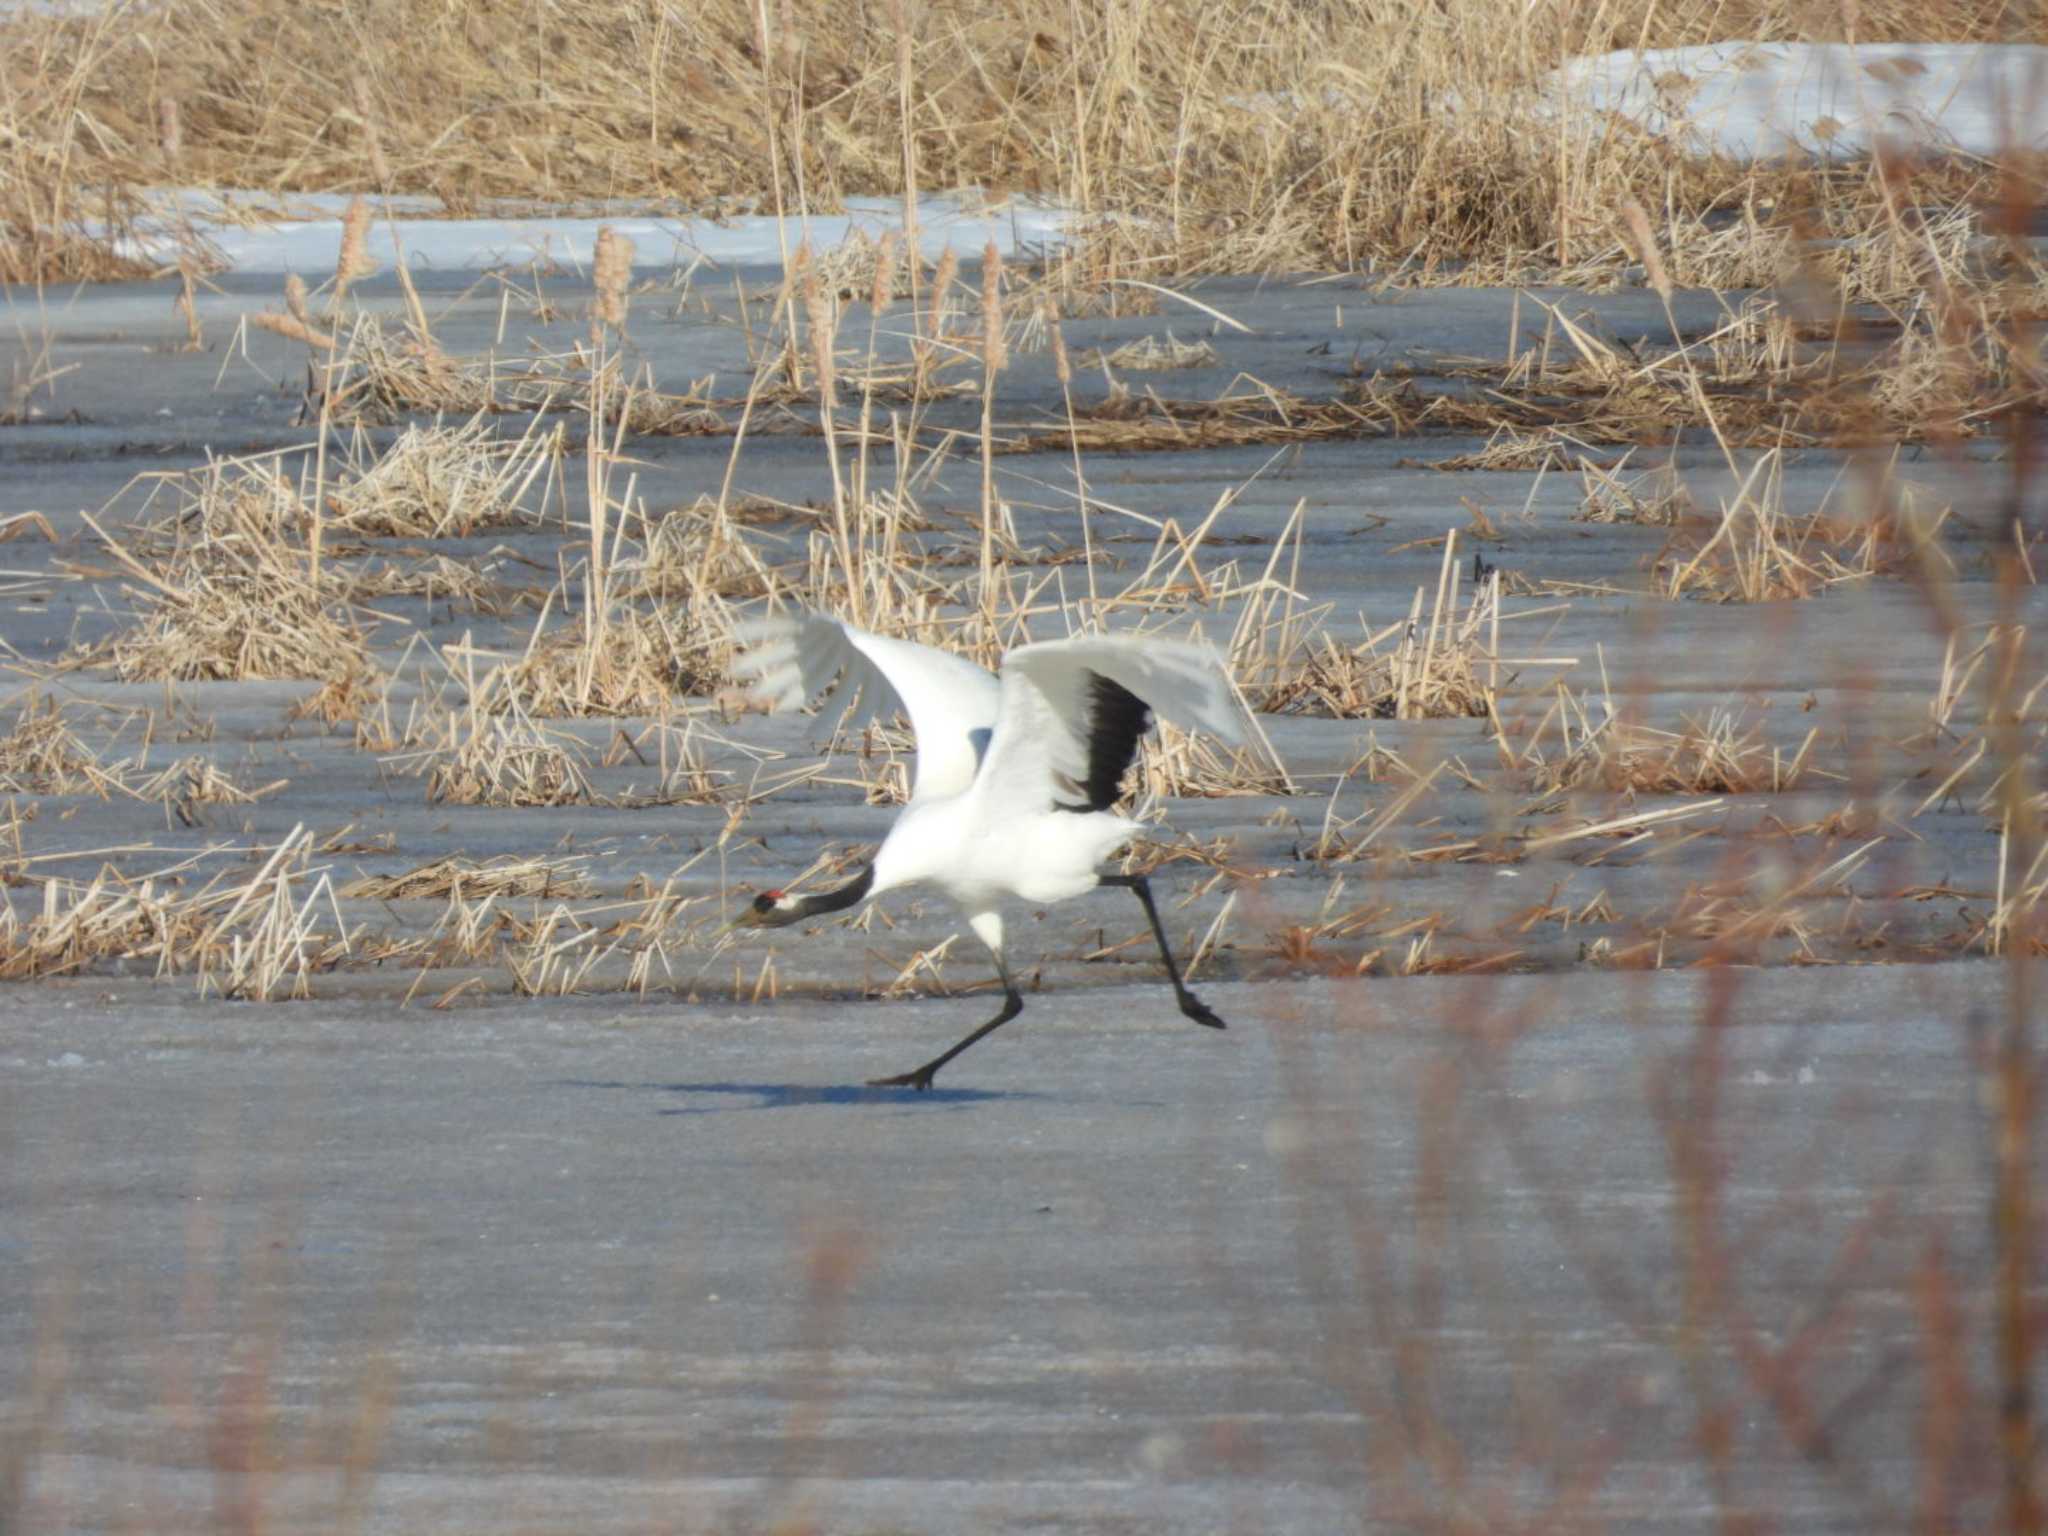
x=341, y=699
x=701, y=548
x=1654, y=499
x=864, y=267
x=653, y=413
x=625, y=944
x=192, y=782
x=43, y=755
x=1508, y=450
x=241, y=618
x=231, y=500
x=1743, y=917
x=443, y=482
x=508, y=760
x=1149, y=423
x=1758, y=552
x=1949, y=362
x=76, y=927
x=1373, y=680
x=1182, y=766
x=362, y=368
x=507, y=875
x=1966, y=357
x=381, y=375
x=1442, y=661
x=235, y=597
x=636, y=663
x=262, y=939
x=1839, y=235
x=1151, y=354
x=258, y=938
x=431, y=577
x=1717, y=754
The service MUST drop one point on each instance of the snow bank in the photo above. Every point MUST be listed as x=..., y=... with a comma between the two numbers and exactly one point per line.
x=1829, y=101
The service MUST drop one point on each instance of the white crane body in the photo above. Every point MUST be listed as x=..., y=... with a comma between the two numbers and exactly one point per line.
x=1017, y=774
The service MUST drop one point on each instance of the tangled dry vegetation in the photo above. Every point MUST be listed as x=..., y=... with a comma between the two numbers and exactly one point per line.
x=1954, y=359
x=259, y=937
x=1281, y=136
x=225, y=585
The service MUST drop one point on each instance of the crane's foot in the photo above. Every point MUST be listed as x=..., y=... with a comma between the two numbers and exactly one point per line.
x=921, y=1079
x=1198, y=1010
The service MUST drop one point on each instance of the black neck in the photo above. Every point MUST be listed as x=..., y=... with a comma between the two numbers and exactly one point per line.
x=836, y=900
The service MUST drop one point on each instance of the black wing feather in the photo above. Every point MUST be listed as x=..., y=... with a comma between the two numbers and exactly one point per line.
x=1117, y=717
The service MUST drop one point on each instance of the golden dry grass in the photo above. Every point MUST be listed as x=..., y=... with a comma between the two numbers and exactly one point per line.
x=1756, y=551
x=1723, y=752
x=43, y=755
x=224, y=586
x=258, y=937
x=444, y=482
x=1276, y=134
x=507, y=875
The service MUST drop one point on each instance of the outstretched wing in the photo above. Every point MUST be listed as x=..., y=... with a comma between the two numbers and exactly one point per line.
x=1072, y=712
x=796, y=658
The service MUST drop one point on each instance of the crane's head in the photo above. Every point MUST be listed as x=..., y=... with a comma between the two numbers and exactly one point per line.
x=777, y=909
x=771, y=909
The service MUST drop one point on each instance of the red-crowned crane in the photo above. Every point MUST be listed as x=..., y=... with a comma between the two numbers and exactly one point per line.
x=1016, y=772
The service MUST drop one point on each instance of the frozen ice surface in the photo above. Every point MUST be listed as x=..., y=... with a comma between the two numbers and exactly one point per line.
x=622, y=1267
x=302, y=232
x=605, y=1263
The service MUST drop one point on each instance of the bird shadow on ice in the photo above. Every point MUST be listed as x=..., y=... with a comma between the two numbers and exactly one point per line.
x=717, y=1097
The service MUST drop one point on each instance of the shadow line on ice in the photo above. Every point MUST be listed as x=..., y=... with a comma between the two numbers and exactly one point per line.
x=800, y=1095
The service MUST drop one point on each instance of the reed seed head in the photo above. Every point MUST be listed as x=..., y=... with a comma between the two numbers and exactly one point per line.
x=994, y=355
x=354, y=263
x=611, y=273
x=885, y=272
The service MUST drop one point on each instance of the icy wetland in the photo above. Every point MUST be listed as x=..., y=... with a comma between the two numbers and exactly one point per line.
x=1609, y=961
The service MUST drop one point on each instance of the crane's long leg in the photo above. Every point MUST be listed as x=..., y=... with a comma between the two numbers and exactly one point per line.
x=1190, y=1004
x=921, y=1079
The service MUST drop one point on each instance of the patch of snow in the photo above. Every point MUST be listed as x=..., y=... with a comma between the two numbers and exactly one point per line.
x=1828, y=101
x=303, y=233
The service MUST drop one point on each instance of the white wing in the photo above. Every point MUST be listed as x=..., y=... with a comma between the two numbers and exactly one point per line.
x=1060, y=735
x=951, y=702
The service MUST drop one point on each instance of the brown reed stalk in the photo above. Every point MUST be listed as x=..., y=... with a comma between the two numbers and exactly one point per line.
x=1063, y=369
x=878, y=300
x=994, y=357
x=373, y=140
x=899, y=17
x=792, y=270
x=170, y=130
x=823, y=328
